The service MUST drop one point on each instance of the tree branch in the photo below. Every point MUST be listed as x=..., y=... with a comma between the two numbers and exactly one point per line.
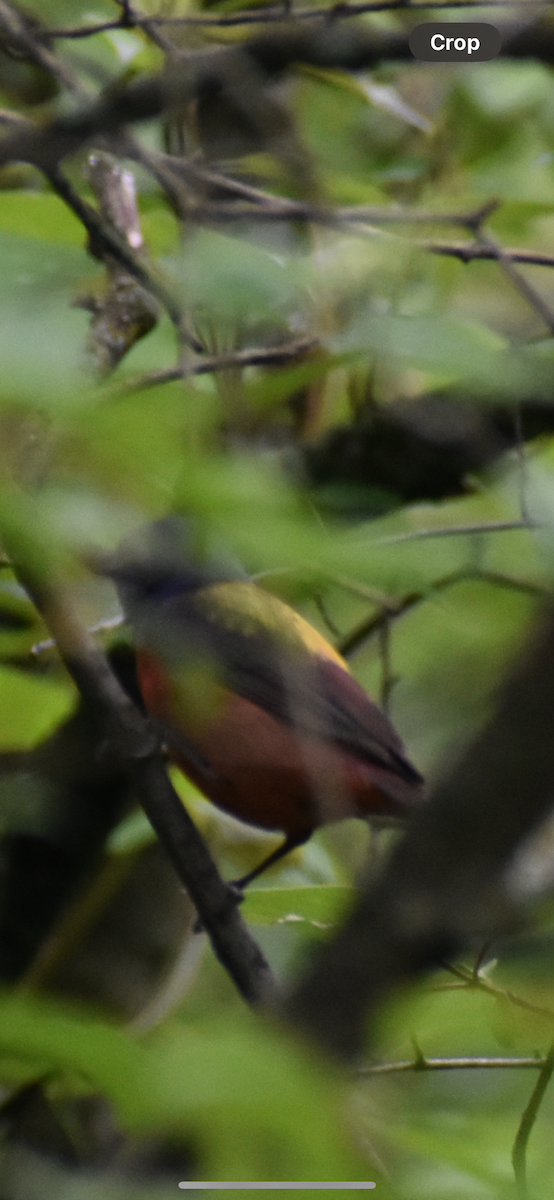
x=264, y=356
x=132, y=739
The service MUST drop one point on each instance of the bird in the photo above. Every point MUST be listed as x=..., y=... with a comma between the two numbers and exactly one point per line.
x=254, y=705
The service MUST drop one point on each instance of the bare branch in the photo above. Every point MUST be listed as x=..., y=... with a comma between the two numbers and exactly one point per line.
x=265, y=356
x=469, y=979
x=417, y=535
x=472, y=251
x=454, y=1064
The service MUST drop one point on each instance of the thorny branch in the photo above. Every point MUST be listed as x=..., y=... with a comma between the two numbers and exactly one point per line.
x=454, y=1064
x=476, y=980
x=543, y=1063
x=471, y=251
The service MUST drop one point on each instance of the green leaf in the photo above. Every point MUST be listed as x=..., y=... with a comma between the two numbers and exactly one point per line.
x=235, y=286
x=135, y=445
x=41, y=335
x=461, y=351
x=31, y=708
x=40, y=215
x=262, y=1106
x=512, y=89
x=256, y=1104
x=322, y=905
x=63, y=1039
x=275, y=387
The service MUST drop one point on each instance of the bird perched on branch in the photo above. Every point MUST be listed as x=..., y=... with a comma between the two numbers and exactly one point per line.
x=254, y=705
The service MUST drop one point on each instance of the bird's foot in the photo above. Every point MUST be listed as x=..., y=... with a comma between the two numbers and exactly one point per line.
x=235, y=894
x=236, y=886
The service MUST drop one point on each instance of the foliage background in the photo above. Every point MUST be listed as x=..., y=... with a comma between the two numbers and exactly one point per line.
x=253, y=451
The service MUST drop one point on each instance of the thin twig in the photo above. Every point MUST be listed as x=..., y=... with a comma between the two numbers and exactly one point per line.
x=416, y=535
x=327, y=618
x=372, y=595
x=519, y=1151
x=499, y=993
x=265, y=356
x=391, y=610
x=454, y=1064
x=470, y=252
x=521, y=284
x=130, y=20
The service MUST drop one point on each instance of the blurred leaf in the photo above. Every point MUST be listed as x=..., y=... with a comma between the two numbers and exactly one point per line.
x=257, y=1104
x=512, y=89
x=322, y=905
x=41, y=335
x=277, y=386
x=233, y=287
x=134, y=832
x=136, y=446
x=65, y=1040
x=467, y=353
x=263, y=1107
x=40, y=215
x=31, y=708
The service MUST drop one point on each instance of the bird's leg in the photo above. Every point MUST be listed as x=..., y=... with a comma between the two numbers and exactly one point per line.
x=290, y=843
x=238, y=885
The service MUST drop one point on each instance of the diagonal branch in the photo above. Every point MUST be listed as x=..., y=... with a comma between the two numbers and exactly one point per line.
x=134, y=743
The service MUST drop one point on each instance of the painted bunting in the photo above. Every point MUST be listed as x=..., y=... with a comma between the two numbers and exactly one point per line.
x=254, y=705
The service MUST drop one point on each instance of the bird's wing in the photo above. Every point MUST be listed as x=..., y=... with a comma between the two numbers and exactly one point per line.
x=320, y=697
x=305, y=685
